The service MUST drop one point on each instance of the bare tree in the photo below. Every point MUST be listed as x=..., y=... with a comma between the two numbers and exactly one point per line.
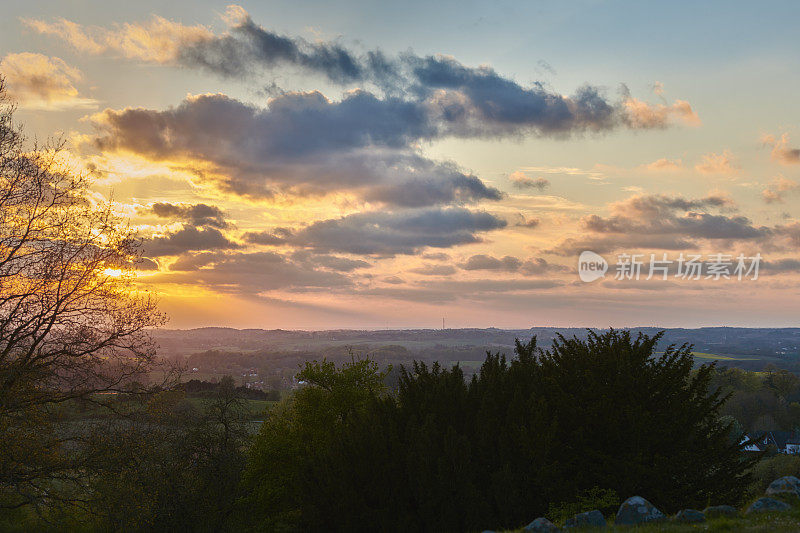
x=73, y=327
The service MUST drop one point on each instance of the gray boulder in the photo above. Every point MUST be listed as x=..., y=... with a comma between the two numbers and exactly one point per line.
x=637, y=510
x=785, y=486
x=588, y=519
x=717, y=511
x=542, y=525
x=690, y=516
x=762, y=505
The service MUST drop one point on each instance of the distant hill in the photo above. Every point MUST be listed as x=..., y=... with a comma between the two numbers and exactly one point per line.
x=779, y=344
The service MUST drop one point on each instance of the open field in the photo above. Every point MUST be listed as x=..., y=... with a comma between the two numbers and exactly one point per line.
x=717, y=357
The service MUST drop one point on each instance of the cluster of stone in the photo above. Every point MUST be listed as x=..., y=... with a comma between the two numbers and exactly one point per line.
x=636, y=510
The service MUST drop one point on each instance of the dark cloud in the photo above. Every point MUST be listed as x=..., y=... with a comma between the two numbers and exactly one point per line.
x=708, y=226
x=487, y=262
x=187, y=239
x=525, y=222
x=294, y=125
x=537, y=265
x=190, y=262
x=573, y=246
x=475, y=288
x=512, y=264
x=436, y=256
x=434, y=270
x=275, y=237
x=401, y=232
x=301, y=144
x=521, y=181
x=433, y=291
x=250, y=273
x=480, y=102
x=662, y=222
x=781, y=266
x=331, y=262
x=665, y=215
x=789, y=233
x=248, y=47
x=196, y=214
x=690, y=225
x=446, y=188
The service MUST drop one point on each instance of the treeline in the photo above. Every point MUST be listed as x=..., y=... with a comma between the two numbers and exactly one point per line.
x=523, y=437
x=277, y=369
x=760, y=401
x=208, y=389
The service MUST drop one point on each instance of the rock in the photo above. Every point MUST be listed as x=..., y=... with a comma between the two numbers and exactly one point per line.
x=716, y=511
x=587, y=519
x=690, y=516
x=787, y=485
x=541, y=524
x=637, y=510
x=767, y=504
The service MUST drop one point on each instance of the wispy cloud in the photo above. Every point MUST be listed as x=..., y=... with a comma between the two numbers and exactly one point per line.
x=778, y=188
x=41, y=82
x=664, y=165
x=642, y=115
x=781, y=151
x=714, y=163
x=522, y=181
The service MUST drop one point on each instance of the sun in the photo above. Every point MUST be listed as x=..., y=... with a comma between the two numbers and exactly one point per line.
x=113, y=272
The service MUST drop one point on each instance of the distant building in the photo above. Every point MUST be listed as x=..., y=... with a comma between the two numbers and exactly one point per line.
x=787, y=442
x=751, y=446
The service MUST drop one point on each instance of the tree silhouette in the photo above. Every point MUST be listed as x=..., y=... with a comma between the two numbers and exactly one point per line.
x=72, y=328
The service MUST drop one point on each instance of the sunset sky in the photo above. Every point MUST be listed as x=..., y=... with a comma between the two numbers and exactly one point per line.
x=368, y=165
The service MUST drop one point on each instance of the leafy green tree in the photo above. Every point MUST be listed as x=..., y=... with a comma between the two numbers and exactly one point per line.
x=286, y=460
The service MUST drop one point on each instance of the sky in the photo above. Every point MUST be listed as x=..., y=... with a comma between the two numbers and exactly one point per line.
x=373, y=165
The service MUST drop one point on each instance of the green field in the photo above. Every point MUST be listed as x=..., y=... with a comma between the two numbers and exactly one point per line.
x=717, y=357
